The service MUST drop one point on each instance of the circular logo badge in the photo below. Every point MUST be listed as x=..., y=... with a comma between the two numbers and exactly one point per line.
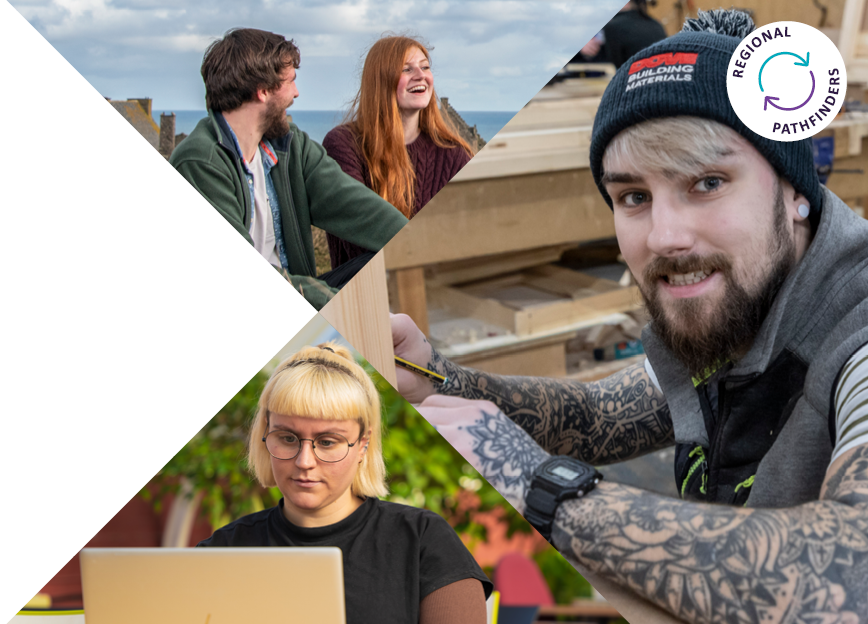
x=786, y=81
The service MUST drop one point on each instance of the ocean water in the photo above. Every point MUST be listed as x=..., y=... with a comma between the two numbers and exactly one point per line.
x=318, y=123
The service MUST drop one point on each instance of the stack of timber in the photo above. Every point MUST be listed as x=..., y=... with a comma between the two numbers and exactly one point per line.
x=476, y=268
x=540, y=320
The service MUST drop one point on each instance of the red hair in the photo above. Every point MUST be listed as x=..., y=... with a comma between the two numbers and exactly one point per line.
x=376, y=120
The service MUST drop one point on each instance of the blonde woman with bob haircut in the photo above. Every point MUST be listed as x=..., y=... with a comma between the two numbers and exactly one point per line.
x=395, y=141
x=317, y=436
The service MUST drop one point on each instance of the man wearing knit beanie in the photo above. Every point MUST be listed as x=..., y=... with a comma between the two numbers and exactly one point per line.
x=756, y=279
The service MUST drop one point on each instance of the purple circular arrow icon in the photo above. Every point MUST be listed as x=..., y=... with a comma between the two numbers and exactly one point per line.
x=769, y=99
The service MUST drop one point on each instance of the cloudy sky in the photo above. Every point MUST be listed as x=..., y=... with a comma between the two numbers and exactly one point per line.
x=488, y=54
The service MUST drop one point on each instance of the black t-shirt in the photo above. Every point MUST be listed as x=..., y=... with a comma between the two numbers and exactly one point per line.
x=394, y=555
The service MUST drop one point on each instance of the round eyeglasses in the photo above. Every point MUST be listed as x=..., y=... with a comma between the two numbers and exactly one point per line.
x=328, y=447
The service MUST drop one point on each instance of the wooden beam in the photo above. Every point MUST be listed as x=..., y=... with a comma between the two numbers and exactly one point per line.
x=850, y=185
x=471, y=270
x=518, y=153
x=360, y=313
x=851, y=24
x=542, y=358
x=548, y=114
x=512, y=302
x=671, y=12
x=581, y=609
x=484, y=217
x=408, y=295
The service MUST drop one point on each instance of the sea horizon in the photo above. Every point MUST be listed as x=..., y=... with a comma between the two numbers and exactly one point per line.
x=317, y=123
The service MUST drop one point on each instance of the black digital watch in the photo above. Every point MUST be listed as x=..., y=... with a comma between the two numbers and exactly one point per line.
x=555, y=480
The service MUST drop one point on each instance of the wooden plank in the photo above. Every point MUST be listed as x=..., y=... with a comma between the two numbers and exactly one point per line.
x=409, y=295
x=481, y=288
x=538, y=145
x=581, y=608
x=574, y=284
x=571, y=88
x=851, y=24
x=517, y=153
x=544, y=114
x=463, y=271
x=510, y=302
x=546, y=318
x=849, y=130
x=546, y=135
x=547, y=358
x=463, y=304
x=485, y=217
x=856, y=133
x=850, y=185
x=670, y=12
x=360, y=313
x=547, y=148
x=843, y=143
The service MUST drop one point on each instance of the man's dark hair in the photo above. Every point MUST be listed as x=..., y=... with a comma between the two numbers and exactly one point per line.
x=242, y=62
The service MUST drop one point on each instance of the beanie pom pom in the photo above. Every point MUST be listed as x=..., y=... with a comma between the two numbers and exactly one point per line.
x=729, y=22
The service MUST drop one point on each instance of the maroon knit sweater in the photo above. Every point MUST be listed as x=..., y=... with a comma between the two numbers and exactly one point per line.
x=434, y=167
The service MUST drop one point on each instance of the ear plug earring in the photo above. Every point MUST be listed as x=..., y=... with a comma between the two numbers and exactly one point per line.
x=804, y=211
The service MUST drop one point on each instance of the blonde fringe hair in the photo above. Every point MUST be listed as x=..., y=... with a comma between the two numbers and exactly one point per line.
x=328, y=385
x=679, y=147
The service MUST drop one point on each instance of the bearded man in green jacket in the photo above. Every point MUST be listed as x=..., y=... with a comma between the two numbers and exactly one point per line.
x=265, y=176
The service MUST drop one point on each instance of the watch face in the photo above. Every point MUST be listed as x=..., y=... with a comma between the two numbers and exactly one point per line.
x=565, y=473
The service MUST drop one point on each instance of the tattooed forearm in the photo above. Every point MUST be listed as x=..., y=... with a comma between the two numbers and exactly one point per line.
x=505, y=455
x=615, y=419
x=706, y=563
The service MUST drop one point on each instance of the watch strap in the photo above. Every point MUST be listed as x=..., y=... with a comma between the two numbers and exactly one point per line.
x=540, y=508
x=544, y=496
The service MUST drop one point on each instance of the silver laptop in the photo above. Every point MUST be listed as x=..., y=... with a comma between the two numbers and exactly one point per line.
x=213, y=585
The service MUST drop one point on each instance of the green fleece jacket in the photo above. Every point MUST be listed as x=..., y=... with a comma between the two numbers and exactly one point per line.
x=311, y=188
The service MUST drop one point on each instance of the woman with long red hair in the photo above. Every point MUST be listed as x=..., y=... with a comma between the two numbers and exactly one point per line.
x=395, y=140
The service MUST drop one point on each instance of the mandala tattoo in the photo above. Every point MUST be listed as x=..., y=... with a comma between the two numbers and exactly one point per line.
x=706, y=563
x=617, y=418
x=506, y=455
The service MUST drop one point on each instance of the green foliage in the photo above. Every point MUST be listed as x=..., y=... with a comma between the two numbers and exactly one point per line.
x=564, y=582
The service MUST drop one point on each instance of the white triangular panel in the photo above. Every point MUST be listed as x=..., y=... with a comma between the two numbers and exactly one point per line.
x=132, y=312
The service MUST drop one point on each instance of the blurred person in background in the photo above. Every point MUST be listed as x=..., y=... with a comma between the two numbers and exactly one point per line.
x=317, y=437
x=395, y=140
x=630, y=30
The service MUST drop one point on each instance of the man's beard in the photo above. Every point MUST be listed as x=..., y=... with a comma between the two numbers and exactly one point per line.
x=276, y=124
x=704, y=341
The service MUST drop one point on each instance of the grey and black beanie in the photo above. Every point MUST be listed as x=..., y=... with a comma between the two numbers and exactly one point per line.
x=686, y=75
